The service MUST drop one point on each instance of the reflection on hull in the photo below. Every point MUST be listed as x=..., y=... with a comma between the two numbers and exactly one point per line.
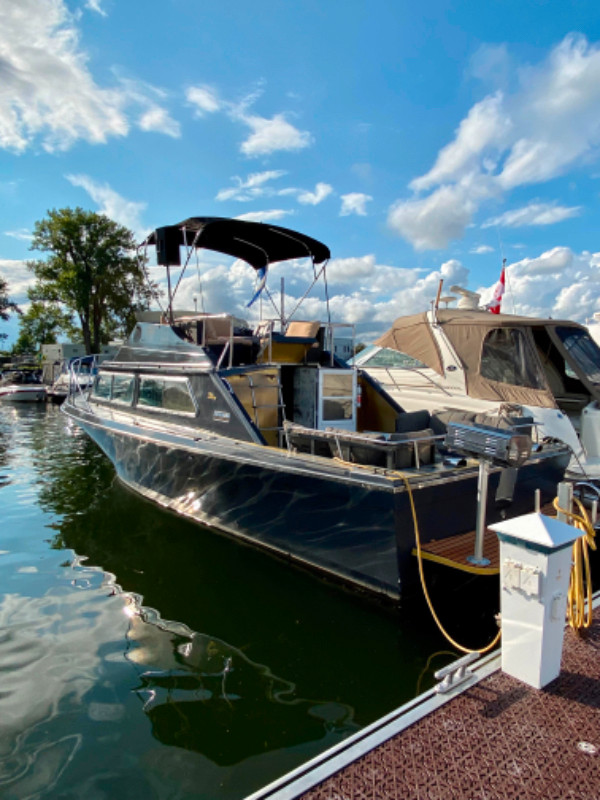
x=358, y=530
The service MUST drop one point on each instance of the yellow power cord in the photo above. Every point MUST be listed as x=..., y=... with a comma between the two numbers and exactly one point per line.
x=580, y=583
x=458, y=646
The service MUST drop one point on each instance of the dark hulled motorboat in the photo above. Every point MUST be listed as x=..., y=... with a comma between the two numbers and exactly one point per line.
x=267, y=435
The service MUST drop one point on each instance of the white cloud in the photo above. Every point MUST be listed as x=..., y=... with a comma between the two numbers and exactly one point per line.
x=94, y=5
x=265, y=216
x=271, y=135
x=112, y=204
x=558, y=283
x=158, y=119
x=47, y=92
x=18, y=278
x=46, y=88
x=549, y=124
x=204, y=99
x=481, y=250
x=431, y=223
x=252, y=187
x=533, y=214
x=354, y=203
x=23, y=234
x=322, y=190
x=486, y=125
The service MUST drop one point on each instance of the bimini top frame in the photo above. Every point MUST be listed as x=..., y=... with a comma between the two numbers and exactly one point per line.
x=256, y=243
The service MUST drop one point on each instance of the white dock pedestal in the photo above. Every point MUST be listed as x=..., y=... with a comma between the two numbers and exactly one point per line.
x=535, y=565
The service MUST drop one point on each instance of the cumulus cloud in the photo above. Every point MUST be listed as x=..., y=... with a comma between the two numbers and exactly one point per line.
x=47, y=92
x=322, y=190
x=271, y=135
x=431, y=223
x=530, y=134
x=354, y=203
x=18, y=278
x=485, y=126
x=125, y=212
x=533, y=214
x=482, y=249
x=558, y=283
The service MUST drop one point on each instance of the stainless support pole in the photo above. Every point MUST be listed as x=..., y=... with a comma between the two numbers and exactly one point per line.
x=482, y=489
x=565, y=500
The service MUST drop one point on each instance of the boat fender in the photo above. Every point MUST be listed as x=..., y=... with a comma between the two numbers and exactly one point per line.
x=358, y=396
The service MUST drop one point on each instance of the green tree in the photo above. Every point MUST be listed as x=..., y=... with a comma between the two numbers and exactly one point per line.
x=92, y=271
x=41, y=324
x=6, y=304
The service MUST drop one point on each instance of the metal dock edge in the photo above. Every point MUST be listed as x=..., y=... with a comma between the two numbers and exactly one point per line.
x=323, y=766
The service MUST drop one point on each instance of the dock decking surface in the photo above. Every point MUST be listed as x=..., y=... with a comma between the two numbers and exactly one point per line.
x=498, y=740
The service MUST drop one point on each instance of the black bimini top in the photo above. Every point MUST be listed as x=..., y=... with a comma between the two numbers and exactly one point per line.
x=257, y=243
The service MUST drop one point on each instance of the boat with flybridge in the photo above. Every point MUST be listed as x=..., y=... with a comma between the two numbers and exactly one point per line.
x=261, y=431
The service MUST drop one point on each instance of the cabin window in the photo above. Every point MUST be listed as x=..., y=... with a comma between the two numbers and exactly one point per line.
x=122, y=389
x=166, y=394
x=583, y=350
x=337, y=396
x=102, y=386
x=507, y=357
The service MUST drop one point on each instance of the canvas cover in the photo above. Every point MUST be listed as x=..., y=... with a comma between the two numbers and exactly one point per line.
x=466, y=330
x=412, y=335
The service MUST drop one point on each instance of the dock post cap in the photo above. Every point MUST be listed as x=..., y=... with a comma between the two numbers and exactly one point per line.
x=537, y=531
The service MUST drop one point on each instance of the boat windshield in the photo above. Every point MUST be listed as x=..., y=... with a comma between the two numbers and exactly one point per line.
x=385, y=357
x=583, y=350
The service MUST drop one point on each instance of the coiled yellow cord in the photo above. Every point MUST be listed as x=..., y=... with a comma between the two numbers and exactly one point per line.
x=580, y=583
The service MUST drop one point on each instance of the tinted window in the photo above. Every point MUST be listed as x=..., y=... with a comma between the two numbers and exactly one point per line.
x=583, y=350
x=167, y=394
x=506, y=357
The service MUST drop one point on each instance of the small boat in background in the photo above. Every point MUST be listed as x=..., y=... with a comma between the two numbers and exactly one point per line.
x=21, y=386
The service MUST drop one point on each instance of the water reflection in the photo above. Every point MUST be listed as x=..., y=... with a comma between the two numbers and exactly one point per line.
x=261, y=667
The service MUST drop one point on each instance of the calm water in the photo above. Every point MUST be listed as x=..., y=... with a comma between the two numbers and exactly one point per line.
x=145, y=657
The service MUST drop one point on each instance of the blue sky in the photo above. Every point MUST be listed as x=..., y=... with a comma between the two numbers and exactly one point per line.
x=418, y=140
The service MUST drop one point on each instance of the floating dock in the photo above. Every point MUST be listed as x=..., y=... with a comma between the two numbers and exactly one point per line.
x=491, y=737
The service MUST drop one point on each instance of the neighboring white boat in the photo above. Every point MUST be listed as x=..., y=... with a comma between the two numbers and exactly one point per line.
x=21, y=387
x=479, y=362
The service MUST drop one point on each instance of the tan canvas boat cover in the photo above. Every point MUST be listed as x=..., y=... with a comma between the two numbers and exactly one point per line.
x=412, y=335
x=466, y=331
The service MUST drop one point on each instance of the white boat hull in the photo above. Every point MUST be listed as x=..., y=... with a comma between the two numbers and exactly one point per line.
x=22, y=394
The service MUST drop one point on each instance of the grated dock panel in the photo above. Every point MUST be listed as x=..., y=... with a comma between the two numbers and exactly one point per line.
x=498, y=740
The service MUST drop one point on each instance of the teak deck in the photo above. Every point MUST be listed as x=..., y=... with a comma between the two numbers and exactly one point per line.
x=455, y=550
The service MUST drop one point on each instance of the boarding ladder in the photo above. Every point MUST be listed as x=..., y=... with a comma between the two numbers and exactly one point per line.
x=255, y=384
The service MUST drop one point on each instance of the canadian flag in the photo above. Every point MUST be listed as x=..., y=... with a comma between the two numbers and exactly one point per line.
x=494, y=305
